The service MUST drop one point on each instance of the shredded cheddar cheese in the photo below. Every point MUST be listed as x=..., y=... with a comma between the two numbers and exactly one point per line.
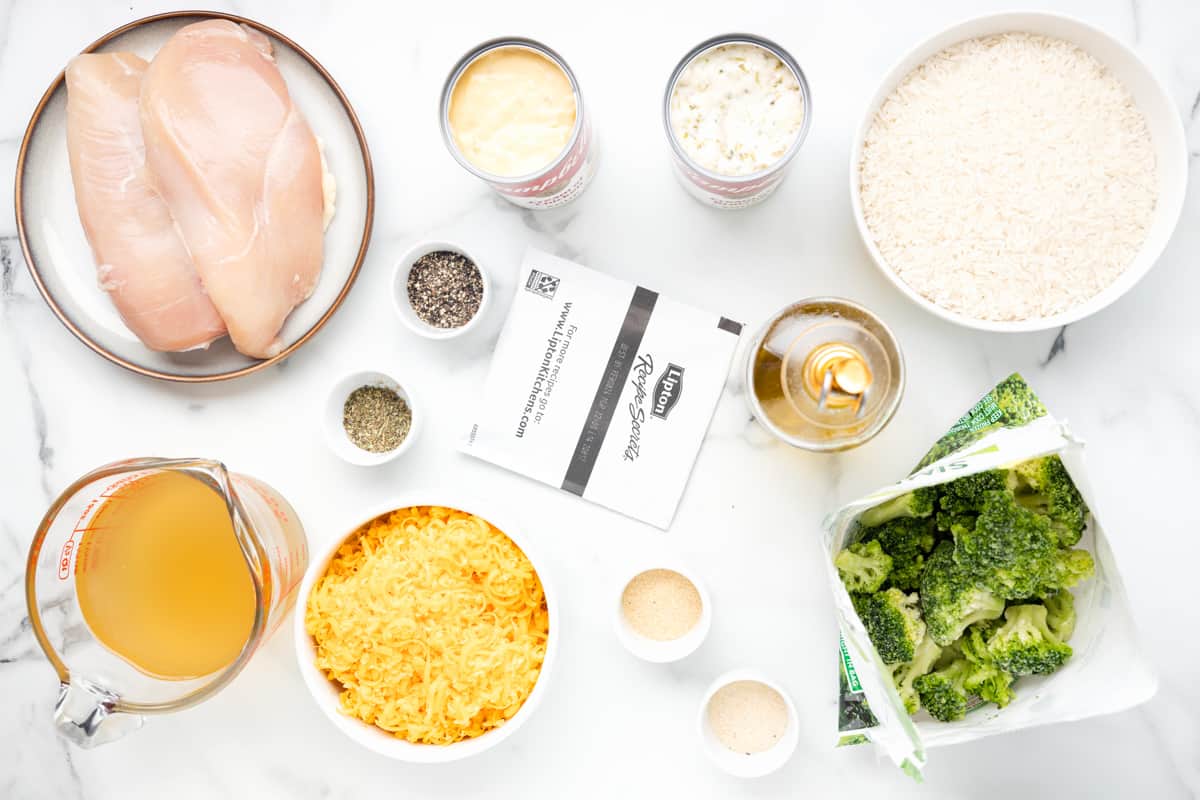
x=432, y=622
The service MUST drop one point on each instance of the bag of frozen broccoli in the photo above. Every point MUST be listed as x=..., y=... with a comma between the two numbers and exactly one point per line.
x=979, y=594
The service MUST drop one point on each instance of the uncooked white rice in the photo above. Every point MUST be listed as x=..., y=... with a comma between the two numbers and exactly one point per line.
x=1009, y=177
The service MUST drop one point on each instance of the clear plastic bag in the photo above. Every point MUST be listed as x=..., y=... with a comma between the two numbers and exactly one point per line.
x=1106, y=673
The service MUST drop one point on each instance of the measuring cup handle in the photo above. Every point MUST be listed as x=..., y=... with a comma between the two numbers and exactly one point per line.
x=86, y=714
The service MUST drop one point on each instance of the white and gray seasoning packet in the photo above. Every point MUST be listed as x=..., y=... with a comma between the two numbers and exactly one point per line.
x=602, y=388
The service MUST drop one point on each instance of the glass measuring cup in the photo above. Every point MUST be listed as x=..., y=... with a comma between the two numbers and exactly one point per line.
x=103, y=695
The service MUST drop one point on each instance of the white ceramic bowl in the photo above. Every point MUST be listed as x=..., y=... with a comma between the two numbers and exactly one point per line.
x=335, y=431
x=325, y=693
x=754, y=765
x=1152, y=98
x=399, y=290
x=653, y=650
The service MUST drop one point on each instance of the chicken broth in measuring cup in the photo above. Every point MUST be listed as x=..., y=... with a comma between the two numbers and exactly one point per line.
x=161, y=580
x=150, y=584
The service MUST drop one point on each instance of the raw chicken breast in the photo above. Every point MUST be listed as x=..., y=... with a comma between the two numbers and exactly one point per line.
x=140, y=258
x=241, y=173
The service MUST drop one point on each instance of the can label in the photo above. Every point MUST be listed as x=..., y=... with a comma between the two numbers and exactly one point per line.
x=559, y=185
x=726, y=194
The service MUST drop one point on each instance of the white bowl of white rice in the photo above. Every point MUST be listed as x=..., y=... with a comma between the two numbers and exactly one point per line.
x=1018, y=172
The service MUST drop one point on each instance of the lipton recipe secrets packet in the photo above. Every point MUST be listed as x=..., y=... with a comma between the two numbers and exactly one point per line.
x=602, y=388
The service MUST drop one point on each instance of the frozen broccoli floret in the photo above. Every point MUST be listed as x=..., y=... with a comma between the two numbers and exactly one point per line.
x=1044, y=486
x=951, y=599
x=1017, y=402
x=943, y=693
x=988, y=681
x=973, y=644
x=1060, y=614
x=962, y=499
x=1010, y=550
x=903, y=675
x=904, y=535
x=907, y=575
x=863, y=566
x=893, y=620
x=984, y=629
x=992, y=684
x=906, y=540
x=1014, y=552
x=917, y=503
x=1024, y=644
x=1064, y=570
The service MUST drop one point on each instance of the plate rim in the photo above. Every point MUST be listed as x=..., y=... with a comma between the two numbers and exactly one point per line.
x=81, y=335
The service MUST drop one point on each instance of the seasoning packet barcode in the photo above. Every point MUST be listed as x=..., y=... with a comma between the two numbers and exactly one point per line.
x=542, y=284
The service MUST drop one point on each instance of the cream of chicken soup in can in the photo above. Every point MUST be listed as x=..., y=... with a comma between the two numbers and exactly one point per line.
x=736, y=110
x=513, y=115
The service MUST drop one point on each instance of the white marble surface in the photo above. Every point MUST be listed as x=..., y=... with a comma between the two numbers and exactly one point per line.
x=1128, y=379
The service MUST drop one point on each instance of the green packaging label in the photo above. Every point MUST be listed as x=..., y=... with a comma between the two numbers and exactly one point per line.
x=853, y=712
x=848, y=666
x=1010, y=405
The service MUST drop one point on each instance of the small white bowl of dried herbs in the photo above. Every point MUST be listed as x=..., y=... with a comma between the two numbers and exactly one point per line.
x=440, y=290
x=369, y=418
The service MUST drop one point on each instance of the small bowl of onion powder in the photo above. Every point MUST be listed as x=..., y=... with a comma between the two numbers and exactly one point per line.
x=663, y=613
x=440, y=291
x=748, y=725
x=369, y=418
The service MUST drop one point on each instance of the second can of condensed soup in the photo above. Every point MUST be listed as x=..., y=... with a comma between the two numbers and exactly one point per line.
x=512, y=114
x=736, y=110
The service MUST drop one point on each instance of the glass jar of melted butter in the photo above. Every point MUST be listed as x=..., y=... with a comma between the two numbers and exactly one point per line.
x=824, y=374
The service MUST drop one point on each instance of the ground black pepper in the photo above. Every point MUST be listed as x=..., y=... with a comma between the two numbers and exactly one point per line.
x=445, y=289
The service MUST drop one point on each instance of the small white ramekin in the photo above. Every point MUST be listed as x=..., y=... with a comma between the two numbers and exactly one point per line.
x=399, y=290
x=653, y=650
x=326, y=694
x=743, y=765
x=335, y=431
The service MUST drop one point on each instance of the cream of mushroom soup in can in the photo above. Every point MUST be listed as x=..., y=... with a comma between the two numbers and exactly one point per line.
x=736, y=111
x=512, y=114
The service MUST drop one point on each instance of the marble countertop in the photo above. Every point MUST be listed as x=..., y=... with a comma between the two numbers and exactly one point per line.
x=1128, y=379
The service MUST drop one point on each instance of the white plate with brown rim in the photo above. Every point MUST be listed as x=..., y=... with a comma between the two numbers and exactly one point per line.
x=60, y=259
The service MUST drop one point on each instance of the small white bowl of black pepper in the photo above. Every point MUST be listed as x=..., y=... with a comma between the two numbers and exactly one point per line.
x=369, y=418
x=440, y=290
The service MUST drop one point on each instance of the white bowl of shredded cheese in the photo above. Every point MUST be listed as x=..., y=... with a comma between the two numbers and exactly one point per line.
x=371, y=634
x=975, y=203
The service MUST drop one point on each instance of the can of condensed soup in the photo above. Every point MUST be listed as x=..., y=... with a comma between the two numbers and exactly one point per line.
x=512, y=114
x=736, y=110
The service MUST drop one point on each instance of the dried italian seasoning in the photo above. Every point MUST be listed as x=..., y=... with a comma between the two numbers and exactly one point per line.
x=445, y=289
x=376, y=418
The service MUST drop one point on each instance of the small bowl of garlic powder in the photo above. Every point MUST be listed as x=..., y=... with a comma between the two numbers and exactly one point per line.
x=748, y=725
x=663, y=613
